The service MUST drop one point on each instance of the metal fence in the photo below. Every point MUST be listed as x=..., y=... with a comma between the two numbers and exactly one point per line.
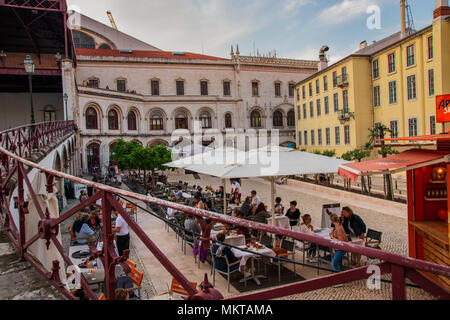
x=17, y=144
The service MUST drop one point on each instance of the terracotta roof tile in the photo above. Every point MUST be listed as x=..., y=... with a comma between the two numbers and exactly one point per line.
x=144, y=54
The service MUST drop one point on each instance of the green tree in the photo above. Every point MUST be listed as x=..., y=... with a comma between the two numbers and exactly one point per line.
x=378, y=132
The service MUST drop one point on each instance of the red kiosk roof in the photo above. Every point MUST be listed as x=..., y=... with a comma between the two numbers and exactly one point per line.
x=406, y=160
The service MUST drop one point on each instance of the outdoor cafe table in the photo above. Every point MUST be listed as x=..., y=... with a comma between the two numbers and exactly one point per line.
x=234, y=240
x=245, y=255
x=187, y=195
x=280, y=221
x=99, y=274
x=325, y=233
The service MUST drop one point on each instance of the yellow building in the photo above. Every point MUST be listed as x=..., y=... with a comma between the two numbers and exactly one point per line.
x=392, y=82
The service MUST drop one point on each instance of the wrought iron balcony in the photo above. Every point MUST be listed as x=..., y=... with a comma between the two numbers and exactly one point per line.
x=345, y=115
x=342, y=80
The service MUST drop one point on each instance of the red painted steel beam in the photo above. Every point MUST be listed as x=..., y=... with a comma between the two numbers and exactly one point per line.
x=356, y=249
x=313, y=284
x=37, y=72
x=170, y=267
x=13, y=4
x=437, y=291
x=45, y=274
x=398, y=282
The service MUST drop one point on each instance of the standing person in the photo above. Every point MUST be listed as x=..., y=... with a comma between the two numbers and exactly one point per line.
x=355, y=227
x=293, y=213
x=339, y=234
x=123, y=236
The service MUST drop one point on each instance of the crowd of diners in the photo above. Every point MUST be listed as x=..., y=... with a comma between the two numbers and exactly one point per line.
x=344, y=227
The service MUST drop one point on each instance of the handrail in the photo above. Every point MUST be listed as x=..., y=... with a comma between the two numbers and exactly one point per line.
x=339, y=245
x=13, y=161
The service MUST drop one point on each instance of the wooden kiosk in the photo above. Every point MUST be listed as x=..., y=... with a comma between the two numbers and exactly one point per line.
x=428, y=186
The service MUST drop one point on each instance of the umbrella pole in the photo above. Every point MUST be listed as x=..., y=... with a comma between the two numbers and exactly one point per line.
x=224, y=182
x=273, y=192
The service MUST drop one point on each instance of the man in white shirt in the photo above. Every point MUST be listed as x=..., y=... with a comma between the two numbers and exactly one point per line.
x=256, y=200
x=123, y=236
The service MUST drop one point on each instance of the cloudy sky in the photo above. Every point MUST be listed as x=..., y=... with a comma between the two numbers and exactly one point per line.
x=294, y=28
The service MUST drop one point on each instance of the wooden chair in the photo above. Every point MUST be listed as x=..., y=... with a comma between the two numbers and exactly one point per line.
x=133, y=212
x=131, y=263
x=287, y=248
x=136, y=276
x=176, y=287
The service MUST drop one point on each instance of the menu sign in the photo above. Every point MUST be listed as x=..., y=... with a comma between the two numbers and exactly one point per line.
x=443, y=108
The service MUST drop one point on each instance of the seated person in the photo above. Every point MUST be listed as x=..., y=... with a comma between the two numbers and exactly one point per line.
x=122, y=294
x=94, y=220
x=219, y=192
x=192, y=228
x=293, y=213
x=282, y=181
x=223, y=250
x=241, y=230
x=278, y=206
x=307, y=227
x=84, y=233
x=179, y=193
x=125, y=282
x=246, y=207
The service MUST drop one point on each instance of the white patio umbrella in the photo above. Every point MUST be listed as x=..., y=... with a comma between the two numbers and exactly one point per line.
x=190, y=150
x=270, y=161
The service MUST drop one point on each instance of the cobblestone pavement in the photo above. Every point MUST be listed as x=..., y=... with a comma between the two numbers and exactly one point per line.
x=395, y=233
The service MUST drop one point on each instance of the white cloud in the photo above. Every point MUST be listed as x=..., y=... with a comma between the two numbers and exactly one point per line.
x=293, y=4
x=344, y=11
x=184, y=25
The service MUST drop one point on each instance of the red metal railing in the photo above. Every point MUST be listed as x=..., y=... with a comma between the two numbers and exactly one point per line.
x=48, y=5
x=399, y=266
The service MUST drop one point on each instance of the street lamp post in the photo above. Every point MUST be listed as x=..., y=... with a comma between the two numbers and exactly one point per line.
x=29, y=68
x=66, y=115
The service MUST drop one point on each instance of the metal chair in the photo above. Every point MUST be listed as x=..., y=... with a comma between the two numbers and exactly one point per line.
x=287, y=248
x=219, y=257
x=373, y=239
x=267, y=241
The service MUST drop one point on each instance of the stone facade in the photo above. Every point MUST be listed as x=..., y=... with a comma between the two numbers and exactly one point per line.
x=99, y=72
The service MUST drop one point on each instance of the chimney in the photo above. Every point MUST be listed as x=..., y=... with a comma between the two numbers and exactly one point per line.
x=363, y=45
x=442, y=9
x=323, y=58
x=403, y=17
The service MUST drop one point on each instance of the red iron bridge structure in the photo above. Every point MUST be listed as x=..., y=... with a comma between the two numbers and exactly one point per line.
x=19, y=153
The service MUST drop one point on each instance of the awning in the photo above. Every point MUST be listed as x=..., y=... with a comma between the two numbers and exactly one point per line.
x=407, y=160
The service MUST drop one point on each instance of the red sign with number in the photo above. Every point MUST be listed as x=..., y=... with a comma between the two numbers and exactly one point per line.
x=443, y=108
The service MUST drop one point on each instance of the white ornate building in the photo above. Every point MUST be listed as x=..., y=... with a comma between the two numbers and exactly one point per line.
x=124, y=88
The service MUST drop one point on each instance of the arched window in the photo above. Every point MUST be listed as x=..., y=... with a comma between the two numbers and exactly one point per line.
x=82, y=40
x=277, y=119
x=105, y=46
x=205, y=119
x=228, y=121
x=255, y=119
x=291, y=118
x=156, y=122
x=113, y=120
x=91, y=118
x=132, y=121
x=93, y=157
x=181, y=121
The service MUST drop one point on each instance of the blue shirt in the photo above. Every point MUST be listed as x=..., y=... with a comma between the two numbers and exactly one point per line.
x=85, y=232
